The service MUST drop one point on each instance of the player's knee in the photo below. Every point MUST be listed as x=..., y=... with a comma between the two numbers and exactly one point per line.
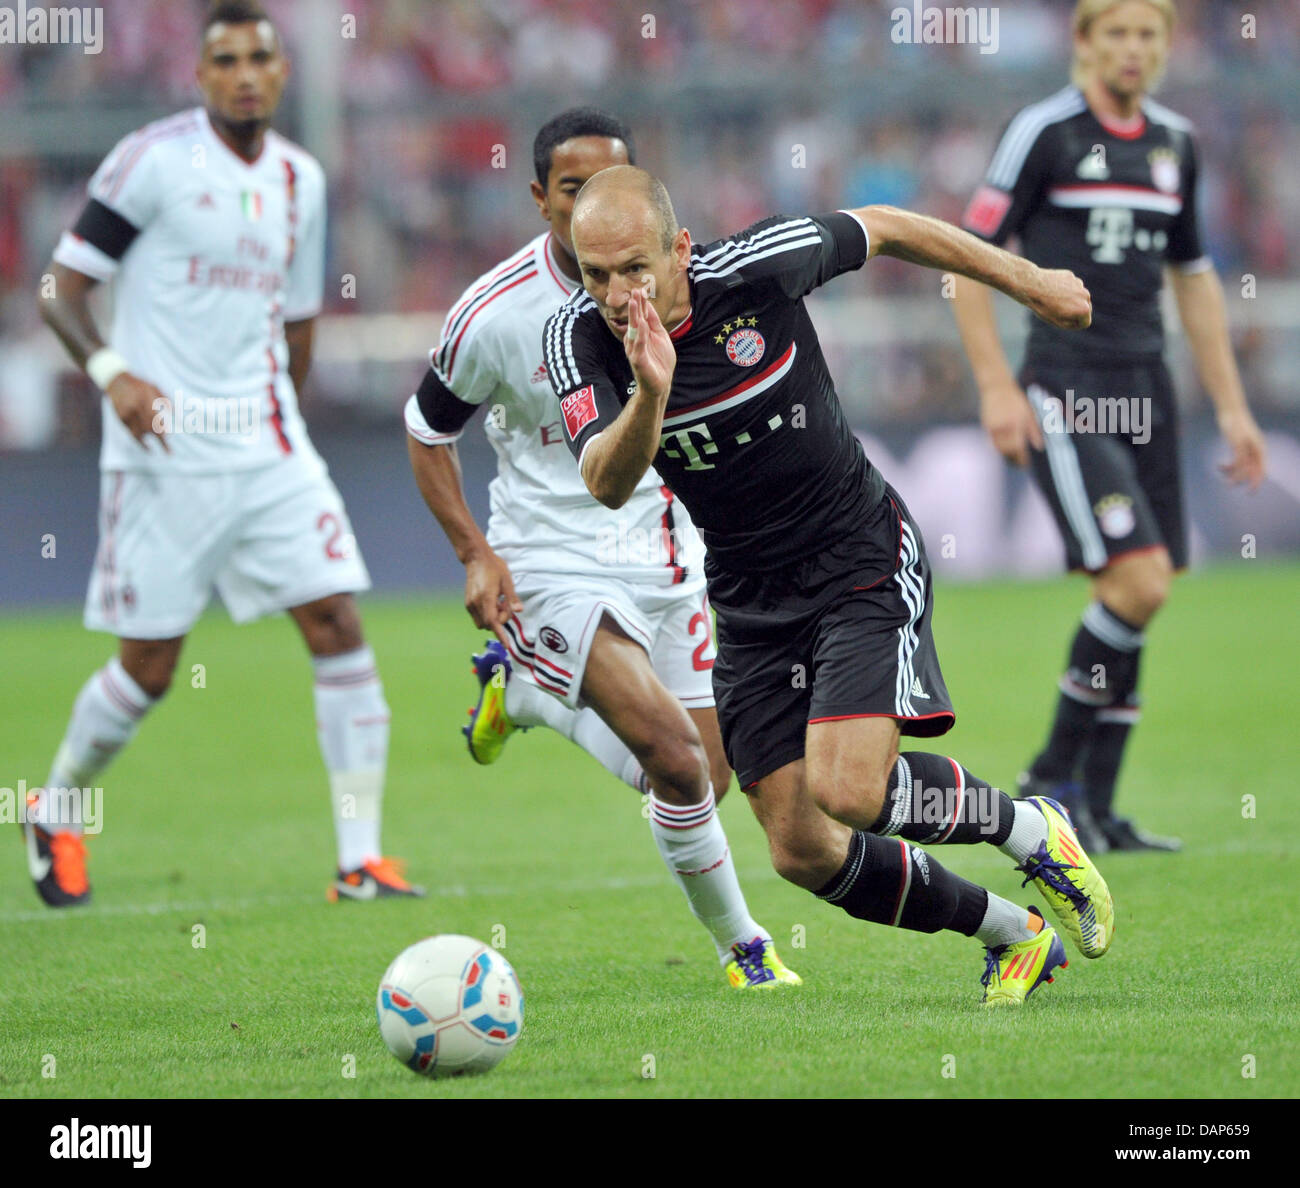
x=1153, y=588
x=855, y=801
x=800, y=862
x=153, y=674
x=1145, y=587
x=676, y=761
x=790, y=866
x=333, y=626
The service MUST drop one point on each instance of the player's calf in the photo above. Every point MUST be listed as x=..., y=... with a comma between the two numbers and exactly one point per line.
x=622, y=688
x=849, y=766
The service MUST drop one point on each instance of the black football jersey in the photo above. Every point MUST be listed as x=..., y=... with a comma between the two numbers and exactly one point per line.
x=754, y=441
x=1111, y=204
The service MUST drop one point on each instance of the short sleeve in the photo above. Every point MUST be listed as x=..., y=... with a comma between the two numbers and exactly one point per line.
x=1013, y=185
x=435, y=415
x=305, y=289
x=1186, y=250
x=125, y=195
x=588, y=392
x=466, y=361
x=795, y=253
x=128, y=181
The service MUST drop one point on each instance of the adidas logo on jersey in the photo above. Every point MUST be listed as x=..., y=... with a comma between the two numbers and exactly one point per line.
x=917, y=691
x=1093, y=167
x=539, y=376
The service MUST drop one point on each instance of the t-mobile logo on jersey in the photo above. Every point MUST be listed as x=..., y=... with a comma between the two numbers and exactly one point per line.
x=678, y=443
x=1111, y=231
x=682, y=440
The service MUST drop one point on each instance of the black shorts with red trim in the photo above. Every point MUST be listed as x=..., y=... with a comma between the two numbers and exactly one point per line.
x=842, y=634
x=1109, y=467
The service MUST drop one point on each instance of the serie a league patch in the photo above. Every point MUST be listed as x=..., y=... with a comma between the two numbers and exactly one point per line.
x=579, y=409
x=986, y=211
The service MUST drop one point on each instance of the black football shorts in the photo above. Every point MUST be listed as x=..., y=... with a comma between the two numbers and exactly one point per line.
x=844, y=633
x=1109, y=468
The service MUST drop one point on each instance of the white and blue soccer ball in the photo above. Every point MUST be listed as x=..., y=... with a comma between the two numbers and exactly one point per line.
x=450, y=1005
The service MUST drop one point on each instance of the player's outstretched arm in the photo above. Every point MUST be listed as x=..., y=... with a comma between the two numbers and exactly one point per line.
x=1201, y=308
x=618, y=457
x=1055, y=295
x=1004, y=409
x=490, y=596
x=67, y=312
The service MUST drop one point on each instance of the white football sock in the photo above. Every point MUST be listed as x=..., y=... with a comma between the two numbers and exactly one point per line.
x=1028, y=832
x=528, y=705
x=610, y=751
x=104, y=719
x=1004, y=923
x=695, y=850
x=352, y=725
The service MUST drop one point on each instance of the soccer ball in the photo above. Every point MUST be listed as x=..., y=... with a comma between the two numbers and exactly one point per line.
x=450, y=1005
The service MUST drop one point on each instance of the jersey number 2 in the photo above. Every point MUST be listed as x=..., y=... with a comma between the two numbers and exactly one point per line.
x=698, y=659
x=332, y=550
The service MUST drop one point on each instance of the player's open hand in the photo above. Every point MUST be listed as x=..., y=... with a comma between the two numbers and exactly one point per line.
x=1062, y=299
x=490, y=594
x=1009, y=420
x=1249, y=460
x=143, y=409
x=649, y=349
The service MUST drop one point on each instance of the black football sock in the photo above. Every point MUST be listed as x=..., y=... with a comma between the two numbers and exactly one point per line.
x=934, y=800
x=1105, y=753
x=889, y=882
x=1102, y=666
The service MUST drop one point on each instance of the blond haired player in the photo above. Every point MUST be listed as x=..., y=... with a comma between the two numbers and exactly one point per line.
x=1101, y=179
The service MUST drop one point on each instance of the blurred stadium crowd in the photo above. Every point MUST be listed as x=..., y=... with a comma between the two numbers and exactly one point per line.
x=718, y=97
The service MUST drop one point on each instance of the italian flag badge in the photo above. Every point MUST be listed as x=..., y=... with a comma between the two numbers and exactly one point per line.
x=251, y=201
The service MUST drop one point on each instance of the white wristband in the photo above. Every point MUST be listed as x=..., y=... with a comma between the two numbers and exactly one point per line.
x=104, y=366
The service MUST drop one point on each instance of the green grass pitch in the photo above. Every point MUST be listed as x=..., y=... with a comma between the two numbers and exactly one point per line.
x=218, y=816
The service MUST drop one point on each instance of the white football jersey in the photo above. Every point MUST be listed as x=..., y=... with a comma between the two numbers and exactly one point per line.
x=227, y=252
x=543, y=518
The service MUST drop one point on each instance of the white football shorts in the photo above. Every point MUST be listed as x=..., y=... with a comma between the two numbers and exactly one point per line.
x=267, y=538
x=550, y=640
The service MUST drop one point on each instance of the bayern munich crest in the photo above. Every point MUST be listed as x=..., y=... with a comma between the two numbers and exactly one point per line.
x=1115, y=515
x=745, y=347
x=1164, y=170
